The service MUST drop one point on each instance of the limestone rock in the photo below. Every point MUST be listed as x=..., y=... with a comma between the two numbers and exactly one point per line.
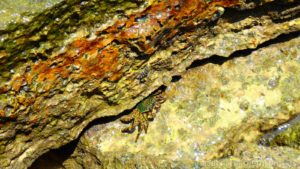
x=215, y=110
x=83, y=60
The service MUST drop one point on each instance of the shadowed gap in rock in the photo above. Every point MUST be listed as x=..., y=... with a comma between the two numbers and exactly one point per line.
x=215, y=59
x=54, y=159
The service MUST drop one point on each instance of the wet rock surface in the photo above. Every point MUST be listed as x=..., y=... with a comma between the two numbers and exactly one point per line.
x=21, y=11
x=213, y=111
x=59, y=76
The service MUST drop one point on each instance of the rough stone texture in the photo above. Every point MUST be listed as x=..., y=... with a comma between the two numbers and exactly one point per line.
x=208, y=113
x=21, y=11
x=61, y=74
x=252, y=156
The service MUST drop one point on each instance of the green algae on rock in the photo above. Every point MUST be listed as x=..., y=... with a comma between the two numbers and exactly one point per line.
x=21, y=11
x=50, y=31
x=213, y=111
x=52, y=86
x=59, y=75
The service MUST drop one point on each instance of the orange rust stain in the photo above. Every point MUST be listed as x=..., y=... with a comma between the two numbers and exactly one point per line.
x=2, y=113
x=97, y=67
x=84, y=45
x=225, y=3
x=88, y=63
x=99, y=58
x=18, y=82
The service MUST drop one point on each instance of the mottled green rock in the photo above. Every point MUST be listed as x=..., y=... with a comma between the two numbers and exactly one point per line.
x=21, y=11
x=50, y=26
x=213, y=111
x=53, y=108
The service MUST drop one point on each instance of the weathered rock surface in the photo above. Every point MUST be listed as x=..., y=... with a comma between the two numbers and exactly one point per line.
x=61, y=73
x=213, y=111
x=21, y=11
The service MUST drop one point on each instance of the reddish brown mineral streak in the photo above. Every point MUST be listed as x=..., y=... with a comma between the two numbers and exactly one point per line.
x=96, y=59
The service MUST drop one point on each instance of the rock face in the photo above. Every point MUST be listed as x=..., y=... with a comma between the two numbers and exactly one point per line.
x=67, y=68
x=207, y=114
x=21, y=11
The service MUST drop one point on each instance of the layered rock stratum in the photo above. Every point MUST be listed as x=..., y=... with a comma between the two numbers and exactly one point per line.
x=79, y=61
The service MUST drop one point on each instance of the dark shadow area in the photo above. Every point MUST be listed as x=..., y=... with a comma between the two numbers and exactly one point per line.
x=242, y=53
x=176, y=78
x=271, y=9
x=54, y=159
